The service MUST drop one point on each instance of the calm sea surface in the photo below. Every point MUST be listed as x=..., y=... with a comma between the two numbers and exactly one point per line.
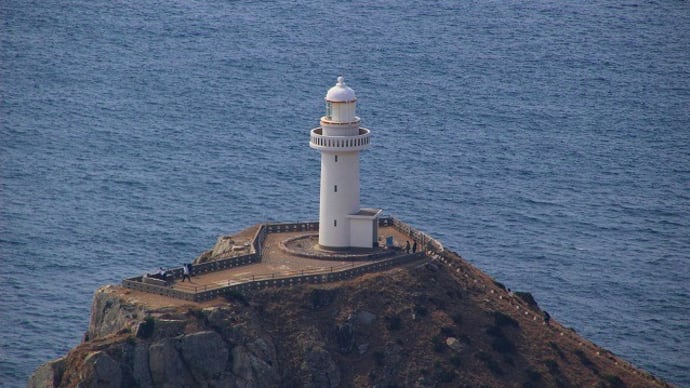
x=548, y=142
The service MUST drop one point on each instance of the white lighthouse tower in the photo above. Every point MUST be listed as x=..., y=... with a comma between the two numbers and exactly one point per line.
x=342, y=224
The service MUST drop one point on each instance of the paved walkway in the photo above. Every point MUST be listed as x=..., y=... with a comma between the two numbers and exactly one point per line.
x=277, y=263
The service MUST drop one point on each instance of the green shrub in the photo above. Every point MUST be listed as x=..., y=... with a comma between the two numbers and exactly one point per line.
x=555, y=347
x=613, y=381
x=552, y=366
x=236, y=296
x=490, y=363
x=394, y=323
x=502, y=345
x=482, y=356
x=501, y=319
x=495, y=331
x=439, y=344
x=586, y=361
x=457, y=318
x=445, y=376
x=528, y=298
x=378, y=357
x=455, y=360
x=533, y=375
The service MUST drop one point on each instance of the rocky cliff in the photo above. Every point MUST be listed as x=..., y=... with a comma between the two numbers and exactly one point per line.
x=430, y=325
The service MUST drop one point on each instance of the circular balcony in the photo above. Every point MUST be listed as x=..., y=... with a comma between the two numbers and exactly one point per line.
x=340, y=143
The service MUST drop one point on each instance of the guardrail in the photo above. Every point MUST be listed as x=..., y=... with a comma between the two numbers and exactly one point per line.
x=313, y=278
x=334, y=273
x=427, y=242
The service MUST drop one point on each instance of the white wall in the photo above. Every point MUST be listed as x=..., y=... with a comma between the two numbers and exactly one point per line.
x=361, y=232
x=337, y=205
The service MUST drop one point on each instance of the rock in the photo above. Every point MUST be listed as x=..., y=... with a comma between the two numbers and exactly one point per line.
x=168, y=328
x=365, y=317
x=264, y=350
x=454, y=344
x=166, y=366
x=101, y=370
x=345, y=337
x=48, y=374
x=255, y=364
x=319, y=368
x=110, y=315
x=140, y=365
x=528, y=298
x=321, y=298
x=432, y=267
x=223, y=245
x=221, y=344
x=204, y=353
x=240, y=363
x=203, y=257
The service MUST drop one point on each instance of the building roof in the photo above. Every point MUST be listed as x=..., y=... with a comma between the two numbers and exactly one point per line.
x=341, y=92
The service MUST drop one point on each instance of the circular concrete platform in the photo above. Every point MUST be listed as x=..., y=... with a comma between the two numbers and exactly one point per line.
x=307, y=245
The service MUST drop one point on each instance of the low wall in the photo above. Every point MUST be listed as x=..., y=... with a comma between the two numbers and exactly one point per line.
x=318, y=278
x=292, y=227
x=427, y=243
x=138, y=285
x=219, y=265
x=259, y=237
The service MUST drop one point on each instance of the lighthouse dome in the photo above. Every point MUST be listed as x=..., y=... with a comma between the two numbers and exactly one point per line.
x=340, y=92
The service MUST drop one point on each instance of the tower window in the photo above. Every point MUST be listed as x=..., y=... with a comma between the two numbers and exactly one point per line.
x=335, y=222
x=329, y=109
x=336, y=188
x=336, y=158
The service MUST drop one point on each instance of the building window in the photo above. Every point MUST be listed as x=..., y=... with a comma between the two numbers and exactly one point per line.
x=335, y=222
x=336, y=158
x=336, y=188
x=329, y=109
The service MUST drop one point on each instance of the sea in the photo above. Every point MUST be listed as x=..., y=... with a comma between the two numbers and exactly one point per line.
x=547, y=142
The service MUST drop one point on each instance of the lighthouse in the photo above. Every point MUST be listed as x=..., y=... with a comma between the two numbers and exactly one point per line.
x=342, y=224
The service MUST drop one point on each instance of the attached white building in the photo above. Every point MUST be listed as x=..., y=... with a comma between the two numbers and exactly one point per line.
x=342, y=224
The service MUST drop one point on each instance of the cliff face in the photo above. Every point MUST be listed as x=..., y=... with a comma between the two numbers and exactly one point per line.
x=437, y=324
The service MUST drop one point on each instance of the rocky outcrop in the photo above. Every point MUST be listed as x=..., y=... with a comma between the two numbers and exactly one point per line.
x=48, y=374
x=319, y=368
x=110, y=313
x=437, y=325
x=129, y=344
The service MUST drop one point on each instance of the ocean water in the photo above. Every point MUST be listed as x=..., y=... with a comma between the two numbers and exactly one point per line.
x=548, y=142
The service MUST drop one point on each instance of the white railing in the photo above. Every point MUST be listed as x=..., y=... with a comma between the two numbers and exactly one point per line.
x=340, y=143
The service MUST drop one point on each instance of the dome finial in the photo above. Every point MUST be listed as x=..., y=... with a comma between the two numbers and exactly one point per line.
x=341, y=80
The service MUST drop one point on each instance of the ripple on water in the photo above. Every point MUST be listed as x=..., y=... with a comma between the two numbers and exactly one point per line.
x=556, y=166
